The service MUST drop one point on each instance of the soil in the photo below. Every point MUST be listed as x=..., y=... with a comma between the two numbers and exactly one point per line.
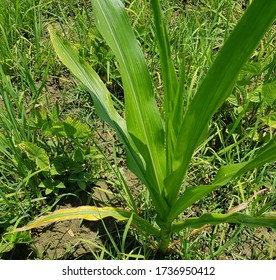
x=62, y=240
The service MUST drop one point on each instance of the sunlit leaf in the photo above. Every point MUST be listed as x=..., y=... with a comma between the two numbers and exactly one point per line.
x=105, y=109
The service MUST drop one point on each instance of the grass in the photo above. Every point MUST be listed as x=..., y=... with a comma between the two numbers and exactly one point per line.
x=32, y=80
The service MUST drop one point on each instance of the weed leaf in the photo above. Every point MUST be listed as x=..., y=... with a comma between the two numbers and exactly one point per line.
x=36, y=154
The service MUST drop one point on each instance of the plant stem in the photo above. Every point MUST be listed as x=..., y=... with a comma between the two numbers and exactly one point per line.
x=165, y=237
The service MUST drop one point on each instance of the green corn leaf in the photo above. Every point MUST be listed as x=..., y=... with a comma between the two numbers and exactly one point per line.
x=217, y=86
x=103, y=103
x=91, y=213
x=143, y=118
x=225, y=175
x=235, y=218
x=69, y=56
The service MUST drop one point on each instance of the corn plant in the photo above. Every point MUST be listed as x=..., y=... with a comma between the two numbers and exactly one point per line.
x=159, y=147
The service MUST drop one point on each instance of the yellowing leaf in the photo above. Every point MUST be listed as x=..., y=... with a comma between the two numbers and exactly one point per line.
x=91, y=213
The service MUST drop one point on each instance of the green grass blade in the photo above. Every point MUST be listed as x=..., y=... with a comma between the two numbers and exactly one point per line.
x=91, y=213
x=143, y=118
x=236, y=218
x=217, y=85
